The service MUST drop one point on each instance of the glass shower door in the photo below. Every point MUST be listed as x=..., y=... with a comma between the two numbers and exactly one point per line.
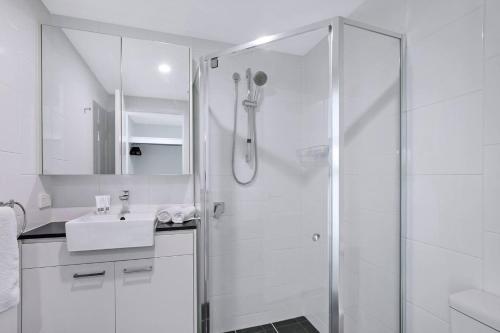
x=370, y=224
x=313, y=243
x=268, y=252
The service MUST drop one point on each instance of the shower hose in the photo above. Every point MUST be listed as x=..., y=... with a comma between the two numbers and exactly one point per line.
x=254, y=141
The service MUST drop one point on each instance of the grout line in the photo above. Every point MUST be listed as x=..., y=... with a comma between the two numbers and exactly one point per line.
x=427, y=35
x=490, y=57
x=468, y=316
x=443, y=174
x=443, y=248
x=428, y=312
x=11, y=152
x=444, y=100
x=484, y=148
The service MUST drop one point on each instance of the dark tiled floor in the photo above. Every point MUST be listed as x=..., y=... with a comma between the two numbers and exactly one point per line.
x=294, y=325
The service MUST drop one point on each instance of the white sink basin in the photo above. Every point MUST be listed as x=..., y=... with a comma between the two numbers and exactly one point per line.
x=100, y=232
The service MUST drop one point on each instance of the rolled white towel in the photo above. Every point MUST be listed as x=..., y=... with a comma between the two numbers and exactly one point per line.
x=176, y=214
x=183, y=214
x=163, y=215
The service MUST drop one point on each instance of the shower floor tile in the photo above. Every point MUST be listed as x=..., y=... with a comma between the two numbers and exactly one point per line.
x=294, y=325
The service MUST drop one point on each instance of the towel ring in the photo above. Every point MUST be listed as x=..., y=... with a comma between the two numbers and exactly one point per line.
x=11, y=203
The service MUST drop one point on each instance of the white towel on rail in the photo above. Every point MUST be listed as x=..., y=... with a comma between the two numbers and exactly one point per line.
x=9, y=259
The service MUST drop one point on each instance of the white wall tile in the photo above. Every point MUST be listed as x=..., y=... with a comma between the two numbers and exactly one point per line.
x=492, y=262
x=284, y=301
x=9, y=320
x=492, y=101
x=9, y=126
x=445, y=148
x=373, y=237
x=379, y=193
x=74, y=191
x=421, y=321
x=19, y=37
x=434, y=273
x=446, y=138
x=387, y=14
x=428, y=16
x=465, y=324
x=171, y=189
x=447, y=63
x=491, y=199
x=114, y=185
x=445, y=211
x=492, y=28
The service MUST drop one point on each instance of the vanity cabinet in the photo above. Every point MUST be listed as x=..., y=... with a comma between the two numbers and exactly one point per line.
x=54, y=301
x=113, y=291
x=162, y=288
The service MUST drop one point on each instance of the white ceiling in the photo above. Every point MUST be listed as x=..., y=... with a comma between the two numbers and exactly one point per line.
x=102, y=55
x=231, y=21
x=141, y=77
x=141, y=59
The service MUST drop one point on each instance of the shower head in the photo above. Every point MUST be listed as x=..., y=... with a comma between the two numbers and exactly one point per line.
x=236, y=77
x=260, y=78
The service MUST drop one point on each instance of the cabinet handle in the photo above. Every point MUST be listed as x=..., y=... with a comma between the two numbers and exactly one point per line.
x=78, y=275
x=137, y=270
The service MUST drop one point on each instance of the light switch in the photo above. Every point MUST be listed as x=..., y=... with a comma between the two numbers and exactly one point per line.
x=44, y=200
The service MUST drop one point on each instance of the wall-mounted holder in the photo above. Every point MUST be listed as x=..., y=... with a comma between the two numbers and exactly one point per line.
x=12, y=203
x=314, y=155
x=135, y=151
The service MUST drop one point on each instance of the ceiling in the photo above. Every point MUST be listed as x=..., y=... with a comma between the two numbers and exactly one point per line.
x=140, y=62
x=141, y=75
x=230, y=21
x=101, y=53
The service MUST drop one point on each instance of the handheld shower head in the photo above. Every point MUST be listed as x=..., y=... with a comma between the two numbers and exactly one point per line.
x=236, y=77
x=260, y=78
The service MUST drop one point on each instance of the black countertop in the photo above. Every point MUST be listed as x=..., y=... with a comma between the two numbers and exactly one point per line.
x=58, y=229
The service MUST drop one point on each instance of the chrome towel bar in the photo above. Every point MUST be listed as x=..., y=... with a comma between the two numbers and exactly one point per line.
x=12, y=203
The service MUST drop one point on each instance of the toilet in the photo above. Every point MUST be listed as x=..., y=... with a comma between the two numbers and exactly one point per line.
x=474, y=311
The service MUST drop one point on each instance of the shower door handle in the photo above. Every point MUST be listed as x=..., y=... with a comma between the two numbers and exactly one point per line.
x=219, y=208
x=316, y=237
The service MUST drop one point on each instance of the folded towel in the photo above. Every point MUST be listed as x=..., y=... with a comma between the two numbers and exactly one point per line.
x=176, y=214
x=9, y=259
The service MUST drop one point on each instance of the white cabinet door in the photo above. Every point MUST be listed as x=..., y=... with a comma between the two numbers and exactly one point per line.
x=155, y=295
x=63, y=299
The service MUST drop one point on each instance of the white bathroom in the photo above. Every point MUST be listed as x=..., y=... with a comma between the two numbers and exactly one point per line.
x=186, y=166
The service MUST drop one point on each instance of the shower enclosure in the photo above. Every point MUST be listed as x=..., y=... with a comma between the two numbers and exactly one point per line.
x=313, y=243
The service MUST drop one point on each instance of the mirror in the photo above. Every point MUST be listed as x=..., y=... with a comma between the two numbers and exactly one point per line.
x=156, y=107
x=80, y=84
x=113, y=105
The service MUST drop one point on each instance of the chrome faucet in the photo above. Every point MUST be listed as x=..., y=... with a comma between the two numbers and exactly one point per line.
x=124, y=199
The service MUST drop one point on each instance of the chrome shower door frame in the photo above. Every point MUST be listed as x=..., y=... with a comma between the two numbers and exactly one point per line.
x=335, y=121
x=336, y=181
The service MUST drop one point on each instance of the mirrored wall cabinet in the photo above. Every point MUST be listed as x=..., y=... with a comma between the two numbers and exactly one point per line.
x=114, y=105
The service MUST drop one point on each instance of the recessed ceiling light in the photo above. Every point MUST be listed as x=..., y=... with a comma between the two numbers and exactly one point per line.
x=263, y=39
x=164, y=68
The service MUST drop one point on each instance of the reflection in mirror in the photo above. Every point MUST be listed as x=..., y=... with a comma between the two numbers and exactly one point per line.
x=156, y=108
x=80, y=84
